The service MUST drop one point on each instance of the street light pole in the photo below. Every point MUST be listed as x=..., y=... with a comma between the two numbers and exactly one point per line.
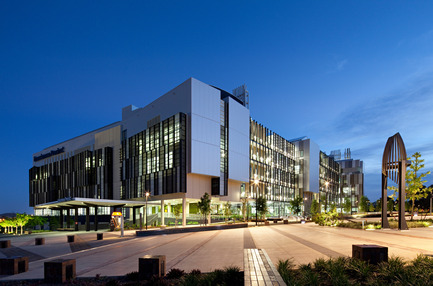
x=147, y=195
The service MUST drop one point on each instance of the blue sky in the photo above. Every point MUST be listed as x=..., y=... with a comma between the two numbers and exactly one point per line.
x=339, y=72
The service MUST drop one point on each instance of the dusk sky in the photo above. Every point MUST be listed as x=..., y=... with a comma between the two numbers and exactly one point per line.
x=347, y=74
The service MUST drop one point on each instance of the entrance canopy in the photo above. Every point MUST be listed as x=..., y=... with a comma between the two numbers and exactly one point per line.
x=86, y=202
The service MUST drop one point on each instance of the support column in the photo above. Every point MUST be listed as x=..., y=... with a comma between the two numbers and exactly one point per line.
x=134, y=213
x=68, y=218
x=61, y=218
x=162, y=213
x=76, y=219
x=96, y=219
x=141, y=221
x=184, y=212
x=87, y=219
x=385, y=223
x=402, y=225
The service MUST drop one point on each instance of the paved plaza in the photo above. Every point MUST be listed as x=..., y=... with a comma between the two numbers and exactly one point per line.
x=208, y=250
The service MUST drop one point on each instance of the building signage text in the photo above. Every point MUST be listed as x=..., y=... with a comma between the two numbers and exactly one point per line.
x=49, y=154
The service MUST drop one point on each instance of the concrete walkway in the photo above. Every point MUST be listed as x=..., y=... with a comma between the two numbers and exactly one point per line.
x=209, y=250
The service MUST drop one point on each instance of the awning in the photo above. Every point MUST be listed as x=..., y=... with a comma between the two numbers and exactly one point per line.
x=86, y=202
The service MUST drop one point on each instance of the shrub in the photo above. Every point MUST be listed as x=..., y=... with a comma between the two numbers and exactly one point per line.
x=132, y=276
x=352, y=271
x=307, y=276
x=335, y=269
x=192, y=280
x=421, y=269
x=370, y=226
x=285, y=268
x=359, y=269
x=233, y=276
x=327, y=219
x=392, y=270
x=195, y=272
x=112, y=282
x=158, y=281
x=175, y=273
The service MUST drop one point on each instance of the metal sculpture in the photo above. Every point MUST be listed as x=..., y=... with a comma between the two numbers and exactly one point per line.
x=394, y=163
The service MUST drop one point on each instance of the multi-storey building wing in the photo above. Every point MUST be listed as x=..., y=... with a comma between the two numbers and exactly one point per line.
x=272, y=168
x=194, y=139
x=351, y=177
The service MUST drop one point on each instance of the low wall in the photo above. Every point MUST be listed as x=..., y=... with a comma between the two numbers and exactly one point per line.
x=189, y=229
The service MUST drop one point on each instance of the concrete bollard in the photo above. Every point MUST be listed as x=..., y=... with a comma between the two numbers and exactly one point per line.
x=39, y=241
x=99, y=236
x=71, y=238
x=151, y=265
x=373, y=254
x=59, y=270
x=5, y=243
x=14, y=265
x=286, y=221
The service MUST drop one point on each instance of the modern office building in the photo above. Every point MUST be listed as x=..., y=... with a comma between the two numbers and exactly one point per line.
x=319, y=174
x=194, y=139
x=351, y=177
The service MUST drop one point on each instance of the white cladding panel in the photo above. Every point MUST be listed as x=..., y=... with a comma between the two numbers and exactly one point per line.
x=205, y=100
x=79, y=143
x=239, y=141
x=205, y=129
x=175, y=101
x=205, y=159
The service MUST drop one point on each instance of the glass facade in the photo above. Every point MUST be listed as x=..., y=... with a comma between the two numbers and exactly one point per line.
x=88, y=174
x=352, y=181
x=154, y=160
x=329, y=185
x=272, y=168
x=224, y=147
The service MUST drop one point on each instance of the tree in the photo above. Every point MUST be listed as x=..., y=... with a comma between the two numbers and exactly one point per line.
x=3, y=224
x=363, y=204
x=415, y=181
x=295, y=204
x=379, y=205
x=21, y=220
x=13, y=224
x=324, y=198
x=347, y=205
x=204, y=206
x=7, y=225
x=371, y=208
x=37, y=220
x=244, y=208
x=177, y=210
x=315, y=207
x=261, y=207
x=227, y=210
x=54, y=223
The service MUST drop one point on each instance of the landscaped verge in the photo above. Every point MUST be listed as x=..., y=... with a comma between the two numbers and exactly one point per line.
x=227, y=276
x=352, y=271
x=332, y=218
